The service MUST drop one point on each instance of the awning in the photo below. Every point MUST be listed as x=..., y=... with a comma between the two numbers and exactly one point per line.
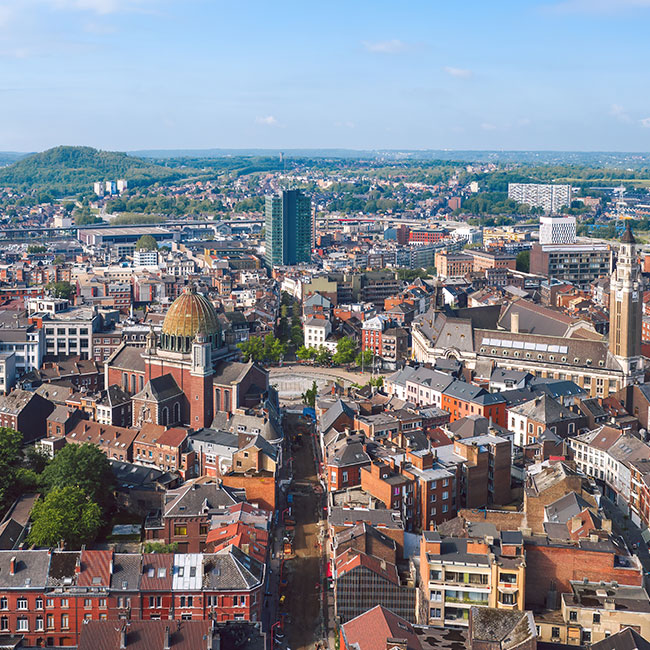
x=645, y=533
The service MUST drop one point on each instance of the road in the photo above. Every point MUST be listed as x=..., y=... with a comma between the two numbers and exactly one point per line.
x=302, y=605
x=348, y=376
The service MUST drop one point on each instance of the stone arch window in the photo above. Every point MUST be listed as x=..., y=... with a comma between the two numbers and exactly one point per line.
x=177, y=412
x=164, y=416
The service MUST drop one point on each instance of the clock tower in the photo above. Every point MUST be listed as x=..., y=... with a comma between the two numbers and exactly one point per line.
x=625, y=303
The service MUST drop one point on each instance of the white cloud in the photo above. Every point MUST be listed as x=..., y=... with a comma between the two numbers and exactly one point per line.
x=346, y=124
x=487, y=126
x=645, y=122
x=269, y=120
x=523, y=121
x=620, y=113
x=101, y=7
x=394, y=46
x=461, y=73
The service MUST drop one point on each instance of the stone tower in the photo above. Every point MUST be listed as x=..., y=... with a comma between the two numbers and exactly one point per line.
x=625, y=303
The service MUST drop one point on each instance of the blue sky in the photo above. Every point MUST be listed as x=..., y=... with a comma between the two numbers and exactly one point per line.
x=468, y=74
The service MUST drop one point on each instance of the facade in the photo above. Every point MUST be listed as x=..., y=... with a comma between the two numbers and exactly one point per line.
x=363, y=581
x=579, y=264
x=288, y=228
x=457, y=574
x=453, y=265
x=557, y=230
x=48, y=596
x=551, y=198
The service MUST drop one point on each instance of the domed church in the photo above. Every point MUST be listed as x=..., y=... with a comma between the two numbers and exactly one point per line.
x=182, y=377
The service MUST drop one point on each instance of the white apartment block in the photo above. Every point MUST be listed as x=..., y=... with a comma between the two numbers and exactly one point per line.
x=551, y=198
x=557, y=230
x=145, y=258
x=316, y=331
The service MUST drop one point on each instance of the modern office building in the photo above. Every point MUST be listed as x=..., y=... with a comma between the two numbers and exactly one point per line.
x=557, y=230
x=579, y=264
x=551, y=198
x=288, y=228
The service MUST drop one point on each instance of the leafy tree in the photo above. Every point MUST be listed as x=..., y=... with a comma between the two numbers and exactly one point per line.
x=376, y=381
x=364, y=359
x=523, y=261
x=83, y=466
x=35, y=459
x=61, y=289
x=305, y=353
x=323, y=356
x=146, y=243
x=274, y=349
x=309, y=396
x=345, y=351
x=67, y=514
x=10, y=443
x=297, y=335
x=36, y=248
x=253, y=349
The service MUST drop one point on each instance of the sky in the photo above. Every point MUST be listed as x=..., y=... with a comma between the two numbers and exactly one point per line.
x=357, y=74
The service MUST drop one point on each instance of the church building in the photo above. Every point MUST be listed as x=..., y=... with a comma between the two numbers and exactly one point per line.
x=184, y=378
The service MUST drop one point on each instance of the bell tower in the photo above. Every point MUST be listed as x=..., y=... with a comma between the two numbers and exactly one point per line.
x=201, y=372
x=625, y=309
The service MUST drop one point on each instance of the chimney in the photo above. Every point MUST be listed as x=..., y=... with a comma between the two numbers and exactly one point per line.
x=123, y=637
x=607, y=525
x=168, y=638
x=514, y=323
x=12, y=566
x=576, y=523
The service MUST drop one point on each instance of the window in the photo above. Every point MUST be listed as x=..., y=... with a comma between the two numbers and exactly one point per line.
x=573, y=616
x=88, y=603
x=50, y=621
x=436, y=596
x=4, y=623
x=434, y=612
x=22, y=625
x=39, y=624
x=64, y=603
x=4, y=603
x=180, y=529
x=49, y=602
x=181, y=571
x=102, y=603
x=596, y=617
x=65, y=622
x=445, y=496
x=445, y=507
x=21, y=603
x=555, y=632
x=39, y=603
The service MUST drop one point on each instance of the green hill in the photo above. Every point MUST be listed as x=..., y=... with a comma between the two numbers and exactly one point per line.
x=70, y=170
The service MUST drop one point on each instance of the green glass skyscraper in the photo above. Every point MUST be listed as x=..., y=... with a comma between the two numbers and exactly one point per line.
x=288, y=228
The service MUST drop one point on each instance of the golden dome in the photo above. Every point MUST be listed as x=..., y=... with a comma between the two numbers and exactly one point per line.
x=190, y=314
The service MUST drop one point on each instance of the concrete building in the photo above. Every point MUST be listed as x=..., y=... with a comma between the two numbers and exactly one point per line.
x=557, y=230
x=289, y=225
x=551, y=198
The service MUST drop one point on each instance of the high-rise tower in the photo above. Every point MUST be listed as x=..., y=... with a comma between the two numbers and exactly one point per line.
x=625, y=302
x=288, y=227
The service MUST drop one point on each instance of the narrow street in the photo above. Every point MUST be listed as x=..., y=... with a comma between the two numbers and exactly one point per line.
x=301, y=586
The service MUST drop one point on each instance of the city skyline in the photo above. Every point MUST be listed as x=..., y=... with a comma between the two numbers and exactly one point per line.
x=156, y=74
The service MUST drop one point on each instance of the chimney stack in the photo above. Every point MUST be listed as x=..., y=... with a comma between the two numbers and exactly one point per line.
x=123, y=637
x=12, y=566
x=168, y=639
x=514, y=323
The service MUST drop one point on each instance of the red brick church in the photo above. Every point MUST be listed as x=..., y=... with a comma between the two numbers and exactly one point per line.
x=183, y=377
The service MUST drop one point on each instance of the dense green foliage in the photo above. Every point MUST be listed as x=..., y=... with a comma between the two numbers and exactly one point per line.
x=346, y=351
x=61, y=289
x=66, y=514
x=309, y=396
x=10, y=443
x=65, y=170
x=268, y=349
x=159, y=547
x=523, y=261
x=146, y=243
x=84, y=466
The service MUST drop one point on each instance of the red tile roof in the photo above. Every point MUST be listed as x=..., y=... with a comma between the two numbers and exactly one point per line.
x=371, y=630
x=145, y=635
x=253, y=541
x=351, y=559
x=156, y=571
x=96, y=569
